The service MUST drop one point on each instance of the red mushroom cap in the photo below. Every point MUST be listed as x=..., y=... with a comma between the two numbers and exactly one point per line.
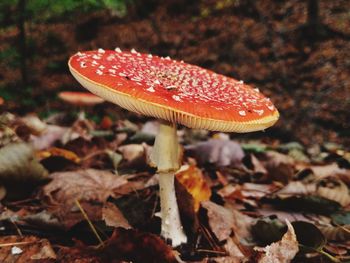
x=173, y=90
x=80, y=98
x=1, y=101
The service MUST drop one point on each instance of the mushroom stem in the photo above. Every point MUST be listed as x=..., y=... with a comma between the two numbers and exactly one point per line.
x=166, y=156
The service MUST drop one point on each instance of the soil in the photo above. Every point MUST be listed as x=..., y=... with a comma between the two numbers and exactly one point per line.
x=268, y=44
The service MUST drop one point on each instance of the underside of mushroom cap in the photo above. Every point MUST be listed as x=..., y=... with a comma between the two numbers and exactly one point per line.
x=173, y=91
x=80, y=98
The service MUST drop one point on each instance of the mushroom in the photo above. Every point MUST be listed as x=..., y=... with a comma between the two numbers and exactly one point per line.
x=1, y=101
x=80, y=99
x=175, y=92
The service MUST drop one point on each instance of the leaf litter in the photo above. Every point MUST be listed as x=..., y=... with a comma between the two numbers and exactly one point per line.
x=236, y=197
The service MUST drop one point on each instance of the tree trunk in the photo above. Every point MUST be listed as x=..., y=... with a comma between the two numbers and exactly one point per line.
x=313, y=16
x=21, y=7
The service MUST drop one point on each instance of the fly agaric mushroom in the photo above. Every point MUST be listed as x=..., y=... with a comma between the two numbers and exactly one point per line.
x=80, y=99
x=175, y=92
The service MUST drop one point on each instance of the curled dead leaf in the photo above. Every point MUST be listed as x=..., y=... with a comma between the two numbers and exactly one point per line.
x=336, y=233
x=18, y=164
x=114, y=217
x=131, y=152
x=282, y=251
x=58, y=152
x=333, y=189
x=33, y=122
x=223, y=221
x=192, y=178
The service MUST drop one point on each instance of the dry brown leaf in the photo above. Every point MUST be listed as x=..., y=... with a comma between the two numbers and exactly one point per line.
x=17, y=163
x=132, y=152
x=223, y=260
x=84, y=185
x=233, y=250
x=279, y=166
x=33, y=122
x=257, y=166
x=58, y=152
x=224, y=221
x=297, y=188
x=25, y=249
x=248, y=190
x=334, y=189
x=192, y=179
x=114, y=217
x=336, y=233
x=323, y=171
x=134, y=246
x=282, y=251
x=48, y=137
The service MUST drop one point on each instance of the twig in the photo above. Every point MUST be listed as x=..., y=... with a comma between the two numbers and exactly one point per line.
x=89, y=222
x=212, y=251
x=17, y=228
x=16, y=243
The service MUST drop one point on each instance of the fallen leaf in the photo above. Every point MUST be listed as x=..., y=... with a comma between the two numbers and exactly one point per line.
x=308, y=203
x=336, y=233
x=87, y=185
x=124, y=243
x=282, y=251
x=131, y=152
x=234, y=251
x=48, y=137
x=58, y=152
x=329, y=170
x=255, y=165
x=17, y=163
x=36, y=125
x=342, y=218
x=297, y=188
x=114, y=217
x=248, y=191
x=81, y=128
x=279, y=166
x=309, y=236
x=192, y=178
x=254, y=147
x=224, y=221
x=268, y=230
x=333, y=189
x=218, y=152
x=25, y=249
x=115, y=158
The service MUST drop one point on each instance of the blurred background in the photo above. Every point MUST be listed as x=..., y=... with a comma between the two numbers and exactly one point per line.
x=295, y=51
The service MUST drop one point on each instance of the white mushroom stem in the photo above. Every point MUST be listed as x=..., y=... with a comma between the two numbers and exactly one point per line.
x=166, y=156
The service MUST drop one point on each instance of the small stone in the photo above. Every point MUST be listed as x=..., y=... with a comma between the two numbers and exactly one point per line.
x=16, y=250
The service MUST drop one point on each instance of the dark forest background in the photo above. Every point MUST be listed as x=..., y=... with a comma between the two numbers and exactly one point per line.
x=296, y=52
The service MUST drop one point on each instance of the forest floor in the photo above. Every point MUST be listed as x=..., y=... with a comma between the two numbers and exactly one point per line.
x=233, y=206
